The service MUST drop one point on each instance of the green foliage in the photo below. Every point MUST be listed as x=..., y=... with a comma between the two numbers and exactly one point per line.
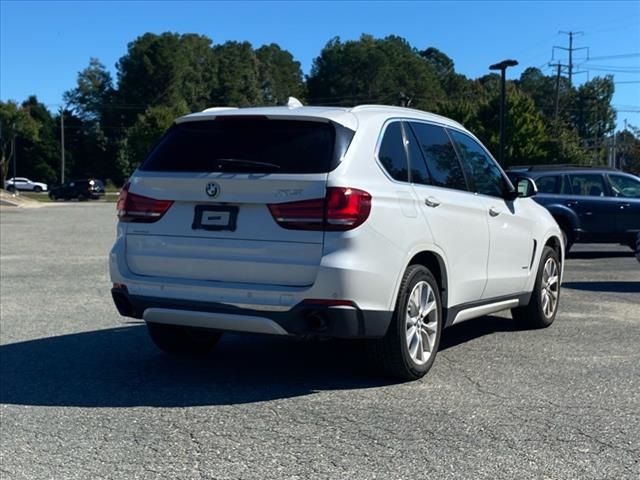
x=109, y=128
x=15, y=122
x=279, y=75
x=524, y=128
x=237, y=75
x=371, y=70
x=148, y=128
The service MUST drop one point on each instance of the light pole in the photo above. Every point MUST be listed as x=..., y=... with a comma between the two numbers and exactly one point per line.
x=62, y=145
x=502, y=66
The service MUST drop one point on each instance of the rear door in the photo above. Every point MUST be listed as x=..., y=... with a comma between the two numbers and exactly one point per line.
x=456, y=218
x=595, y=210
x=221, y=175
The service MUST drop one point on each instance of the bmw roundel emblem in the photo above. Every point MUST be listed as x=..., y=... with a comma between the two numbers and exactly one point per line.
x=213, y=189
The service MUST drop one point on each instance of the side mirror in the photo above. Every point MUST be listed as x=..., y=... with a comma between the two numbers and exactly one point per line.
x=526, y=187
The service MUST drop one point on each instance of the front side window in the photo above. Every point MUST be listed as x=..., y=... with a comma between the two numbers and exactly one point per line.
x=441, y=158
x=588, y=184
x=487, y=177
x=392, y=154
x=624, y=186
x=549, y=184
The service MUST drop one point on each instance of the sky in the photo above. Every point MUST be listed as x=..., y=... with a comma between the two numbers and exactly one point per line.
x=43, y=45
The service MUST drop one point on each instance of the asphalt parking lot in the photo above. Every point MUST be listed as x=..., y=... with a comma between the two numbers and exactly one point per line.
x=84, y=394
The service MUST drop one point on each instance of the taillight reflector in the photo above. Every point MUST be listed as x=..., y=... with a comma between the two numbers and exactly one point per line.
x=139, y=209
x=342, y=209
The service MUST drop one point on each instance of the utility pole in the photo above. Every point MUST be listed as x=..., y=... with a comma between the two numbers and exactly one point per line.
x=570, y=50
x=557, y=107
x=15, y=154
x=62, y=145
x=502, y=66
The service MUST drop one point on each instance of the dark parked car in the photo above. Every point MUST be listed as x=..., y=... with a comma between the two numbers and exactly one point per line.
x=591, y=205
x=84, y=189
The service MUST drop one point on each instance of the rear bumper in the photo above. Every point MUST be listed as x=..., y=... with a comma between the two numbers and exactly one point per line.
x=343, y=321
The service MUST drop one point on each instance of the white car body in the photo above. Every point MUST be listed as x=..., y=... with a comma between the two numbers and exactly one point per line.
x=22, y=183
x=257, y=278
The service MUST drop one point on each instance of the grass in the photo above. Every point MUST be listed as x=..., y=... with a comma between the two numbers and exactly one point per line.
x=44, y=197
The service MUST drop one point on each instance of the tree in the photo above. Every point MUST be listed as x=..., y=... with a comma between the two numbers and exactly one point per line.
x=92, y=94
x=371, y=70
x=39, y=157
x=166, y=69
x=524, y=129
x=594, y=117
x=15, y=122
x=147, y=131
x=279, y=75
x=237, y=81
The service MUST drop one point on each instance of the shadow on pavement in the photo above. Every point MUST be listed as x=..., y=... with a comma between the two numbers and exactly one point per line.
x=613, y=286
x=120, y=367
x=592, y=255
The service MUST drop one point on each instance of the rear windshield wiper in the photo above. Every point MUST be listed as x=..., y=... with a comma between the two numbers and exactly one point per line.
x=239, y=162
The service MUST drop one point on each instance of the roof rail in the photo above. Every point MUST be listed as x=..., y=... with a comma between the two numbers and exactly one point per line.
x=557, y=166
x=218, y=109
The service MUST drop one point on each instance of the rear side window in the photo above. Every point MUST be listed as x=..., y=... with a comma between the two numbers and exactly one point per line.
x=392, y=153
x=442, y=162
x=589, y=184
x=242, y=144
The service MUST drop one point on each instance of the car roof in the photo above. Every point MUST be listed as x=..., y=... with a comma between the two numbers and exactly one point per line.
x=348, y=117
x=538, y=170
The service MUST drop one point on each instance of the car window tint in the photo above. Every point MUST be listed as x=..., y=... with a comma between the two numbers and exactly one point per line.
x=248, y=144
x=419, y=172
x=442, y=162
x=566, y=185
x=392, y=154
x=588, y=184
x=548, y=184
x=487, y=177
x=624, y=186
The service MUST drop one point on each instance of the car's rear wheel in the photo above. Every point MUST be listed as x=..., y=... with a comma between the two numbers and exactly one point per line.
x=53, y=196
x=409, y=348
x=178, y=340
x=11, y=188
x=543, y=305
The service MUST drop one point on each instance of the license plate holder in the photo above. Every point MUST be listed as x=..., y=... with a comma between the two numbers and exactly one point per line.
x=216, y=218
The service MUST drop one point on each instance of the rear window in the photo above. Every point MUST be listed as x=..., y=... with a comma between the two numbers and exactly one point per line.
x=237, y=144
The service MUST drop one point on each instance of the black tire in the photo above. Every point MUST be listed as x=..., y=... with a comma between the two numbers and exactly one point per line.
x=52, y=196
x=567, y=234
x=392, y=352
x=37, y=189
x=11, y=188
x=177, y=340
x=533, y=315
x=82, y=197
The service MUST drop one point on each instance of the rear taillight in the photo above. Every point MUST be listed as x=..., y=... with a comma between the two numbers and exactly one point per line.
x=139, y=209
x=342, y=209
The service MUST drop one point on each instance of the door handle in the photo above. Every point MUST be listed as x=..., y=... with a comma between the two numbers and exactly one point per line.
x=494, y=212
x=431, y=202
x=572, y=204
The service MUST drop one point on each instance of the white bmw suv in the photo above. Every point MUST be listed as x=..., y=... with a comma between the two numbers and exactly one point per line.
x=373, y=222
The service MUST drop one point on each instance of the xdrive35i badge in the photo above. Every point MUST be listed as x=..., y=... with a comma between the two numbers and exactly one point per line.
x=213, y=189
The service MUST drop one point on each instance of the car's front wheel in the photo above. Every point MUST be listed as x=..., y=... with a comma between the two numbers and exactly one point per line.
x=175, y=339
x=409, y=348
x=37, y=189
x=543, y=305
